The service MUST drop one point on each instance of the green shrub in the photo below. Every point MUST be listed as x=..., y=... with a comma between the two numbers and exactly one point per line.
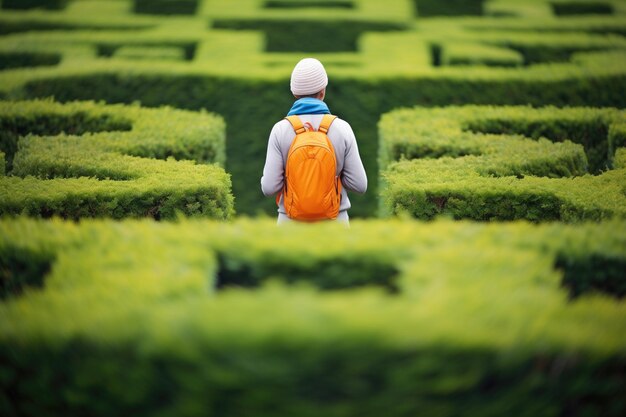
x=93, y=16
x=619, y=161
x=565, y=8
x=308, y=4
x=129, y=322
x=428, y=8
x=59, y=165
x=183, y=7
x=485, y=171
x=477, y=54
x=165, y=53
x=286, y=36
x=30, y=4
x=17, y=60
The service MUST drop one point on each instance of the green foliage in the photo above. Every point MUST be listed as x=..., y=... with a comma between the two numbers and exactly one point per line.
x=20, y=269
x=30, y=4
x=17, y=60
x=164, y=53
x=486, y=171
x=477, y=54
x=89, y=160
x=620, y=158
x=167, y=7
x=308, y=4
x=565, y=8
x=129, y=320
x=428, y=8
x=331, y=36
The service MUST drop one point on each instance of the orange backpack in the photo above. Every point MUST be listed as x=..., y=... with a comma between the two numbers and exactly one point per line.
x=312, y=189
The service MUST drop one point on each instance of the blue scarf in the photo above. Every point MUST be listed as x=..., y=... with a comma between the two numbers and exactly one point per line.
x=308, y=105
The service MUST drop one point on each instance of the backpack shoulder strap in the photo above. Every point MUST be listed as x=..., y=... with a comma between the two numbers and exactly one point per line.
x=327, y=120
x=296, y=123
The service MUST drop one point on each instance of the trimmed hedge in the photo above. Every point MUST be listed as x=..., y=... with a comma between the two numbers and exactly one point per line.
x=17, y=60
x=167, y=7
x=330, y=36
x=477, y=54
x=393, y=64
x=486, y=171
x=31, y=4
x=249, y=121
x=309, y=4
x=428, y=8
x=566, y=8
x=129, y=320
x=142, y=163
x=164, y=53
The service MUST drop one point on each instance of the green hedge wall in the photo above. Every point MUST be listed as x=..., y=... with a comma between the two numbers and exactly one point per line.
x=391, y=59
x=565, y=8
x=163, y=53
x=249, y=121
x=17, y=60
x=91, y=160
x=132, y=319
x=428, y=8
x=184, y=7
x=471, y=162
x=31, y=4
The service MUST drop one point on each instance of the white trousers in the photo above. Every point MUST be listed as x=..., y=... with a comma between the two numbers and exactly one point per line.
x=342, y=217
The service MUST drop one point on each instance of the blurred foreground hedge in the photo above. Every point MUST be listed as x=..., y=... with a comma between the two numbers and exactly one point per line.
x=246, y=319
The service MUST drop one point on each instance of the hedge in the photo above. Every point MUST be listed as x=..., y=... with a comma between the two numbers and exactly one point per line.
x=484, y=170
x=17, y=60
x=390, y=60
x=477, y=54
x=131, y=319
x=167, y=7
x=30, y=4
x=428, y=8
x=556, y=8
x=268, y=102
x=163, y=53
x=565, y=8
x=90, y=160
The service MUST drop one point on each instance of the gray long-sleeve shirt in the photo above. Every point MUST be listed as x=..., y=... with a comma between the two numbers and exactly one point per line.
x=349, y=165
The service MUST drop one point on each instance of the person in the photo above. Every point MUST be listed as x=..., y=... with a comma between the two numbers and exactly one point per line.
x=308, y=86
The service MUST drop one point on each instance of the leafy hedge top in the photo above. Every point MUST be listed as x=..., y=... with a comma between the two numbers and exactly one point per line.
x=128, y=167
x=193, y=312
x=487, y=169
x=132, y=130
x=239, y=35
x=438, y=310
x=457, y=131
x=505, y=271
x=318, y=10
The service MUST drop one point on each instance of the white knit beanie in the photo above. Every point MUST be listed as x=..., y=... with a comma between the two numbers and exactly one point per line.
x=308, y=77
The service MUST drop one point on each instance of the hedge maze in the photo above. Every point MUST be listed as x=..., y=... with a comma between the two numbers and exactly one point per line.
x=498, y=124
x=89, y=160
x=347, y=325
x=209, y=54
x=480, y=163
